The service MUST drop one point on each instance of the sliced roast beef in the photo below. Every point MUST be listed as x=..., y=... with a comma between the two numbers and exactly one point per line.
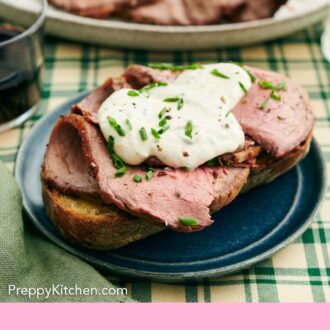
x=278, y=125
x=185, y=12
x=64, y=165
x=97, y=8
x=89, y=106
x=138, y=76
x=169, y=195
x=256, y=9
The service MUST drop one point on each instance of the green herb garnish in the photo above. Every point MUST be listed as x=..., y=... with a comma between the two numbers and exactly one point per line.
x=274, y=88
x=150, y=174
x=185, y=168
x=189, y=129
x=178, y=100
x=163, y=129
x=264, y=104
x=219, y=74
x=251, y=75
x=243, y=87
x=212, y=162
x=133, y=93
x=155, y=134
x=275, y=96
x=265, y=84
x=228, y=113
x=162, y=113
x=147, y=88
x=175, y=68
x=172, y=99
x=189, y=221
x=116, y=160
x=128, y=124
x=143, y=134
x=121, y=171
x=162, y=122
x=113, y=123
x=137, y=178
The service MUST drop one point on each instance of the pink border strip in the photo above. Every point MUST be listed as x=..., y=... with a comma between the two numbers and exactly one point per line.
x=165, y=316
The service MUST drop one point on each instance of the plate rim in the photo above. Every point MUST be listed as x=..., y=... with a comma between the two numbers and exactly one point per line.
x=151, y=275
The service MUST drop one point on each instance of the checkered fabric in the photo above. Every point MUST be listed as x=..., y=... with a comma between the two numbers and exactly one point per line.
x=298, y=273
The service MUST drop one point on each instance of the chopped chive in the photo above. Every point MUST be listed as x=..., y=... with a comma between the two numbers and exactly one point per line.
x=111, y=144
x=212, y=162
x=266, y=84
x=264, y=104
x=147, y=88
x=281, y=86
x=251, y=75
x=163, y=129
x=189, y=221
x=189, y=129
x=121, y=171
x=162, y=113
x=120, y=131
x=155, y=134
x=133, y=93
x=185, y=168
x=143, y=134
x=137, y=178
x=171, y=99
x=175, y=68
x=180, y=104
x=150, y=174
x=275, y=96
x=219, y=74
x=178, y=100
x=113, y=123
x=162, y=122
x=243, y=87
x=128, y=124
x=228, y=113
x=116, y=160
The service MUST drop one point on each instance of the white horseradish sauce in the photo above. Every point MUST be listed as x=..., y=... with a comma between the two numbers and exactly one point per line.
x=184, y=123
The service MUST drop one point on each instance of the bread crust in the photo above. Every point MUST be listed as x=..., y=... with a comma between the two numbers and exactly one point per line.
x=91, y=224
x=103, y=227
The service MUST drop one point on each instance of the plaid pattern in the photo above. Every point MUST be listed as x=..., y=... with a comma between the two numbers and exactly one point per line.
x=298, y=273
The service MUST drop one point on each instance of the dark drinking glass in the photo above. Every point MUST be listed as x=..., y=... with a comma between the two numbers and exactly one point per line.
x=21, y=69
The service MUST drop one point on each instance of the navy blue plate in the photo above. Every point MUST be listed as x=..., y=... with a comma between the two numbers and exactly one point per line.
x=252, y=228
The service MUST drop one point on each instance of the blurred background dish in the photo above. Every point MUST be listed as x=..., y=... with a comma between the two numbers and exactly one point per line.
x=293, y=16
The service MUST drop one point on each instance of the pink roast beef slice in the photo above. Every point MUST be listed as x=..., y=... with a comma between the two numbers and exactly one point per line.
x=169, y=195
x=97, y=8
x=89, y=106
x=282, y=125
x=185, y=12
x=64, y=164
x=256, y=9
x=138, y=76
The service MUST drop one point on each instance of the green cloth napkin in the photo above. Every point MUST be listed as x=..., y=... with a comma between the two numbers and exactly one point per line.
x=28, y=260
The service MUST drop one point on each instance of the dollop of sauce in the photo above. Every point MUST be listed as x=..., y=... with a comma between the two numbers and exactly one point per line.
x=184, y=123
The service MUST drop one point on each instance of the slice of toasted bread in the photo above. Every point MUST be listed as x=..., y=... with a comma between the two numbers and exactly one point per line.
x=94, y=225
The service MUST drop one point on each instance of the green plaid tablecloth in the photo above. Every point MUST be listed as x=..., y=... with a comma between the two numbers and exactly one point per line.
x=298, y=273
